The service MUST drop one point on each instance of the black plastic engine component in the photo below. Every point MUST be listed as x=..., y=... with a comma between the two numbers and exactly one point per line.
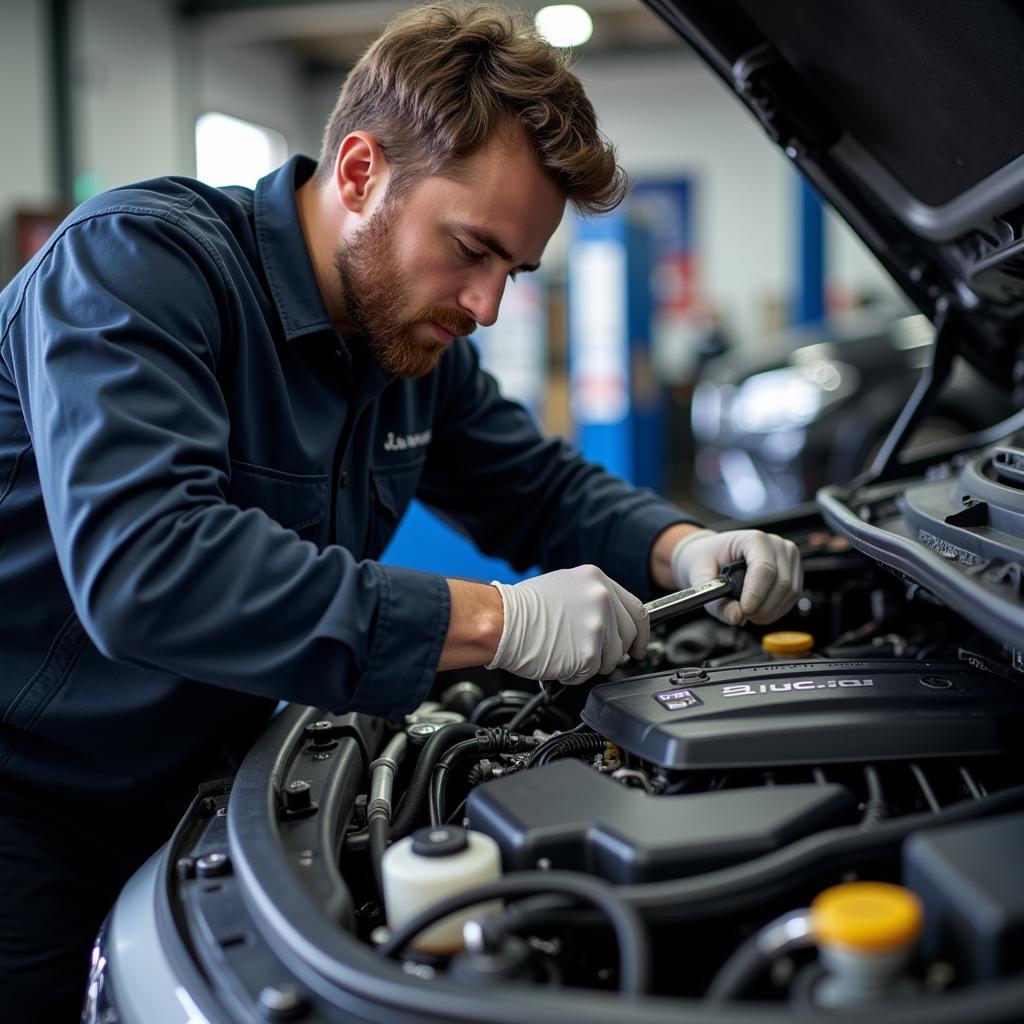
x=814, y=712
x=577, y=819
x=962, y=538
x=968, y=877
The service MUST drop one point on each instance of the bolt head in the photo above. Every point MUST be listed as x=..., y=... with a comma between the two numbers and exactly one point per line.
x=297, y=795
x=473, y=937
x=282, y=1002
x=212, y=864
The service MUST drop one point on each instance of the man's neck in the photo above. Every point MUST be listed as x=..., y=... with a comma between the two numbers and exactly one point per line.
x=317, y=220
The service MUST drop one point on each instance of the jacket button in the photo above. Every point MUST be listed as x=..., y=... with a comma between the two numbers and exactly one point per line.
x=343, y=478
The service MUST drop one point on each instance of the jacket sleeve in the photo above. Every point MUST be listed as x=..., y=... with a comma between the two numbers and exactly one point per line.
x=114, y=350
x=531, y=499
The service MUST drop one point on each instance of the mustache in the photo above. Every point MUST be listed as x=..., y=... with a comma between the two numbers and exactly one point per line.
x=460, y=324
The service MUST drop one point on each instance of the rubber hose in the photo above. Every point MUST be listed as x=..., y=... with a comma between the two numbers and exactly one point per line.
x=504, y=700
x=875, y=807
x=739, y=972
x=802, y=863
x=634, y=952
x=568, y=745
x=486, y=743
x=535, y=703
x=416, y=793
x=378, y=832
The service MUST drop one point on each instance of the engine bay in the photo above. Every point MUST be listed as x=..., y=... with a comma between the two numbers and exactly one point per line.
x=681, y=833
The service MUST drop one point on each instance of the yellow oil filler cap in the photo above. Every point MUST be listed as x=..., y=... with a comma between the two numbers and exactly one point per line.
x=866, y=917
x=787, y=642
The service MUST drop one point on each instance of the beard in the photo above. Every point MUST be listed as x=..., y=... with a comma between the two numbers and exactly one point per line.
x=375, y=296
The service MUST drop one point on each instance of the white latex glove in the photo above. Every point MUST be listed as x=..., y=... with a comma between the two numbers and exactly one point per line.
x=568, y=625
x=772, y=583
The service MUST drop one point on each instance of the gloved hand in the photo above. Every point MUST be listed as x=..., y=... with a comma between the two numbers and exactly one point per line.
x=569, y=625
x=773, y=580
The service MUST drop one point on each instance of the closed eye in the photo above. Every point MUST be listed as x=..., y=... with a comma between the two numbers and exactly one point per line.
x=490, y=244
x=469, y=255
x=472, y=256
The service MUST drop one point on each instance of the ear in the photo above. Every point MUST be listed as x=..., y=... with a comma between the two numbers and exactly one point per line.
x=360, y=172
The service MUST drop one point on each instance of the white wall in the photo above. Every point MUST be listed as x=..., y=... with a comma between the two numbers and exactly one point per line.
x=256, y=83
x=141, y=78
x=27, y=179
x=669, y=115
x=126, y=100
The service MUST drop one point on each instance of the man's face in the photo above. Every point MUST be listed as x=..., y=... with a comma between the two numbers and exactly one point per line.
x=432, y=265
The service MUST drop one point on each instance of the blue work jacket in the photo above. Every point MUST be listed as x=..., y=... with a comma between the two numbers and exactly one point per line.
x=197, y=474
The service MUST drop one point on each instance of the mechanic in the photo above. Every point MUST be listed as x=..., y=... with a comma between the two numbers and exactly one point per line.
x=215, y=405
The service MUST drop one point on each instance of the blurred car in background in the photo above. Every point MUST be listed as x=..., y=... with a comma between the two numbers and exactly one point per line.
x=811, y=405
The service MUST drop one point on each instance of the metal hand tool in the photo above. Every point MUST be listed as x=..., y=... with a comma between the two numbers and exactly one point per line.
x=728, y=583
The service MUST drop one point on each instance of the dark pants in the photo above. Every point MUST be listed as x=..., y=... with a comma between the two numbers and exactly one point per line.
x=62, y=865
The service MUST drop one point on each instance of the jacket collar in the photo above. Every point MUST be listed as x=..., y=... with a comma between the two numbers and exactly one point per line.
x=283, y=251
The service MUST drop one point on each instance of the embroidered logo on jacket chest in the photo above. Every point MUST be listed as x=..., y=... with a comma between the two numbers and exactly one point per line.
x=404, y=442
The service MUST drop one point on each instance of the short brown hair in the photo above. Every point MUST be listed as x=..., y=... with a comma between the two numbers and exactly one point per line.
x=442, y=78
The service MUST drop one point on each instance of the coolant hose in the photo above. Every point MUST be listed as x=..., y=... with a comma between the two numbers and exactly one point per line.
x=568, y=744
x=410, y=815
x=503, y=700
x=634, y=946
x=377, y=830
x=783, y=935
x=378, y=809
x=485, y=743
x=810, y=860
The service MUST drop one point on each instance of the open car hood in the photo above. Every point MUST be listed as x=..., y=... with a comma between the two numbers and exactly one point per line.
x=909, y=119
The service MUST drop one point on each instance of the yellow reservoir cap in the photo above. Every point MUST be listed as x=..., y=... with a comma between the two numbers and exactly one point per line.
x=787, y=642
x=870, y=917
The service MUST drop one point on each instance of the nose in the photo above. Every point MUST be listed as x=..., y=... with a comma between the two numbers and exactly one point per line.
x=481, y=297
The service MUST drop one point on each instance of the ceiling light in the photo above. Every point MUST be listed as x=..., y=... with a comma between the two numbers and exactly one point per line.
x=564, y=24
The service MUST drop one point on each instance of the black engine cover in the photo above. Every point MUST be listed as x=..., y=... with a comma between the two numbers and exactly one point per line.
x=814, y=712
x=580, y=820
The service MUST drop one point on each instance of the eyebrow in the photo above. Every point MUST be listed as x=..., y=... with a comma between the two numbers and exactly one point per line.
x=488, y=241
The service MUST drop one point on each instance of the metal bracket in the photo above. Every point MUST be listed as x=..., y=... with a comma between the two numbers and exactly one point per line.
x=790, y=113
x=886, y=465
